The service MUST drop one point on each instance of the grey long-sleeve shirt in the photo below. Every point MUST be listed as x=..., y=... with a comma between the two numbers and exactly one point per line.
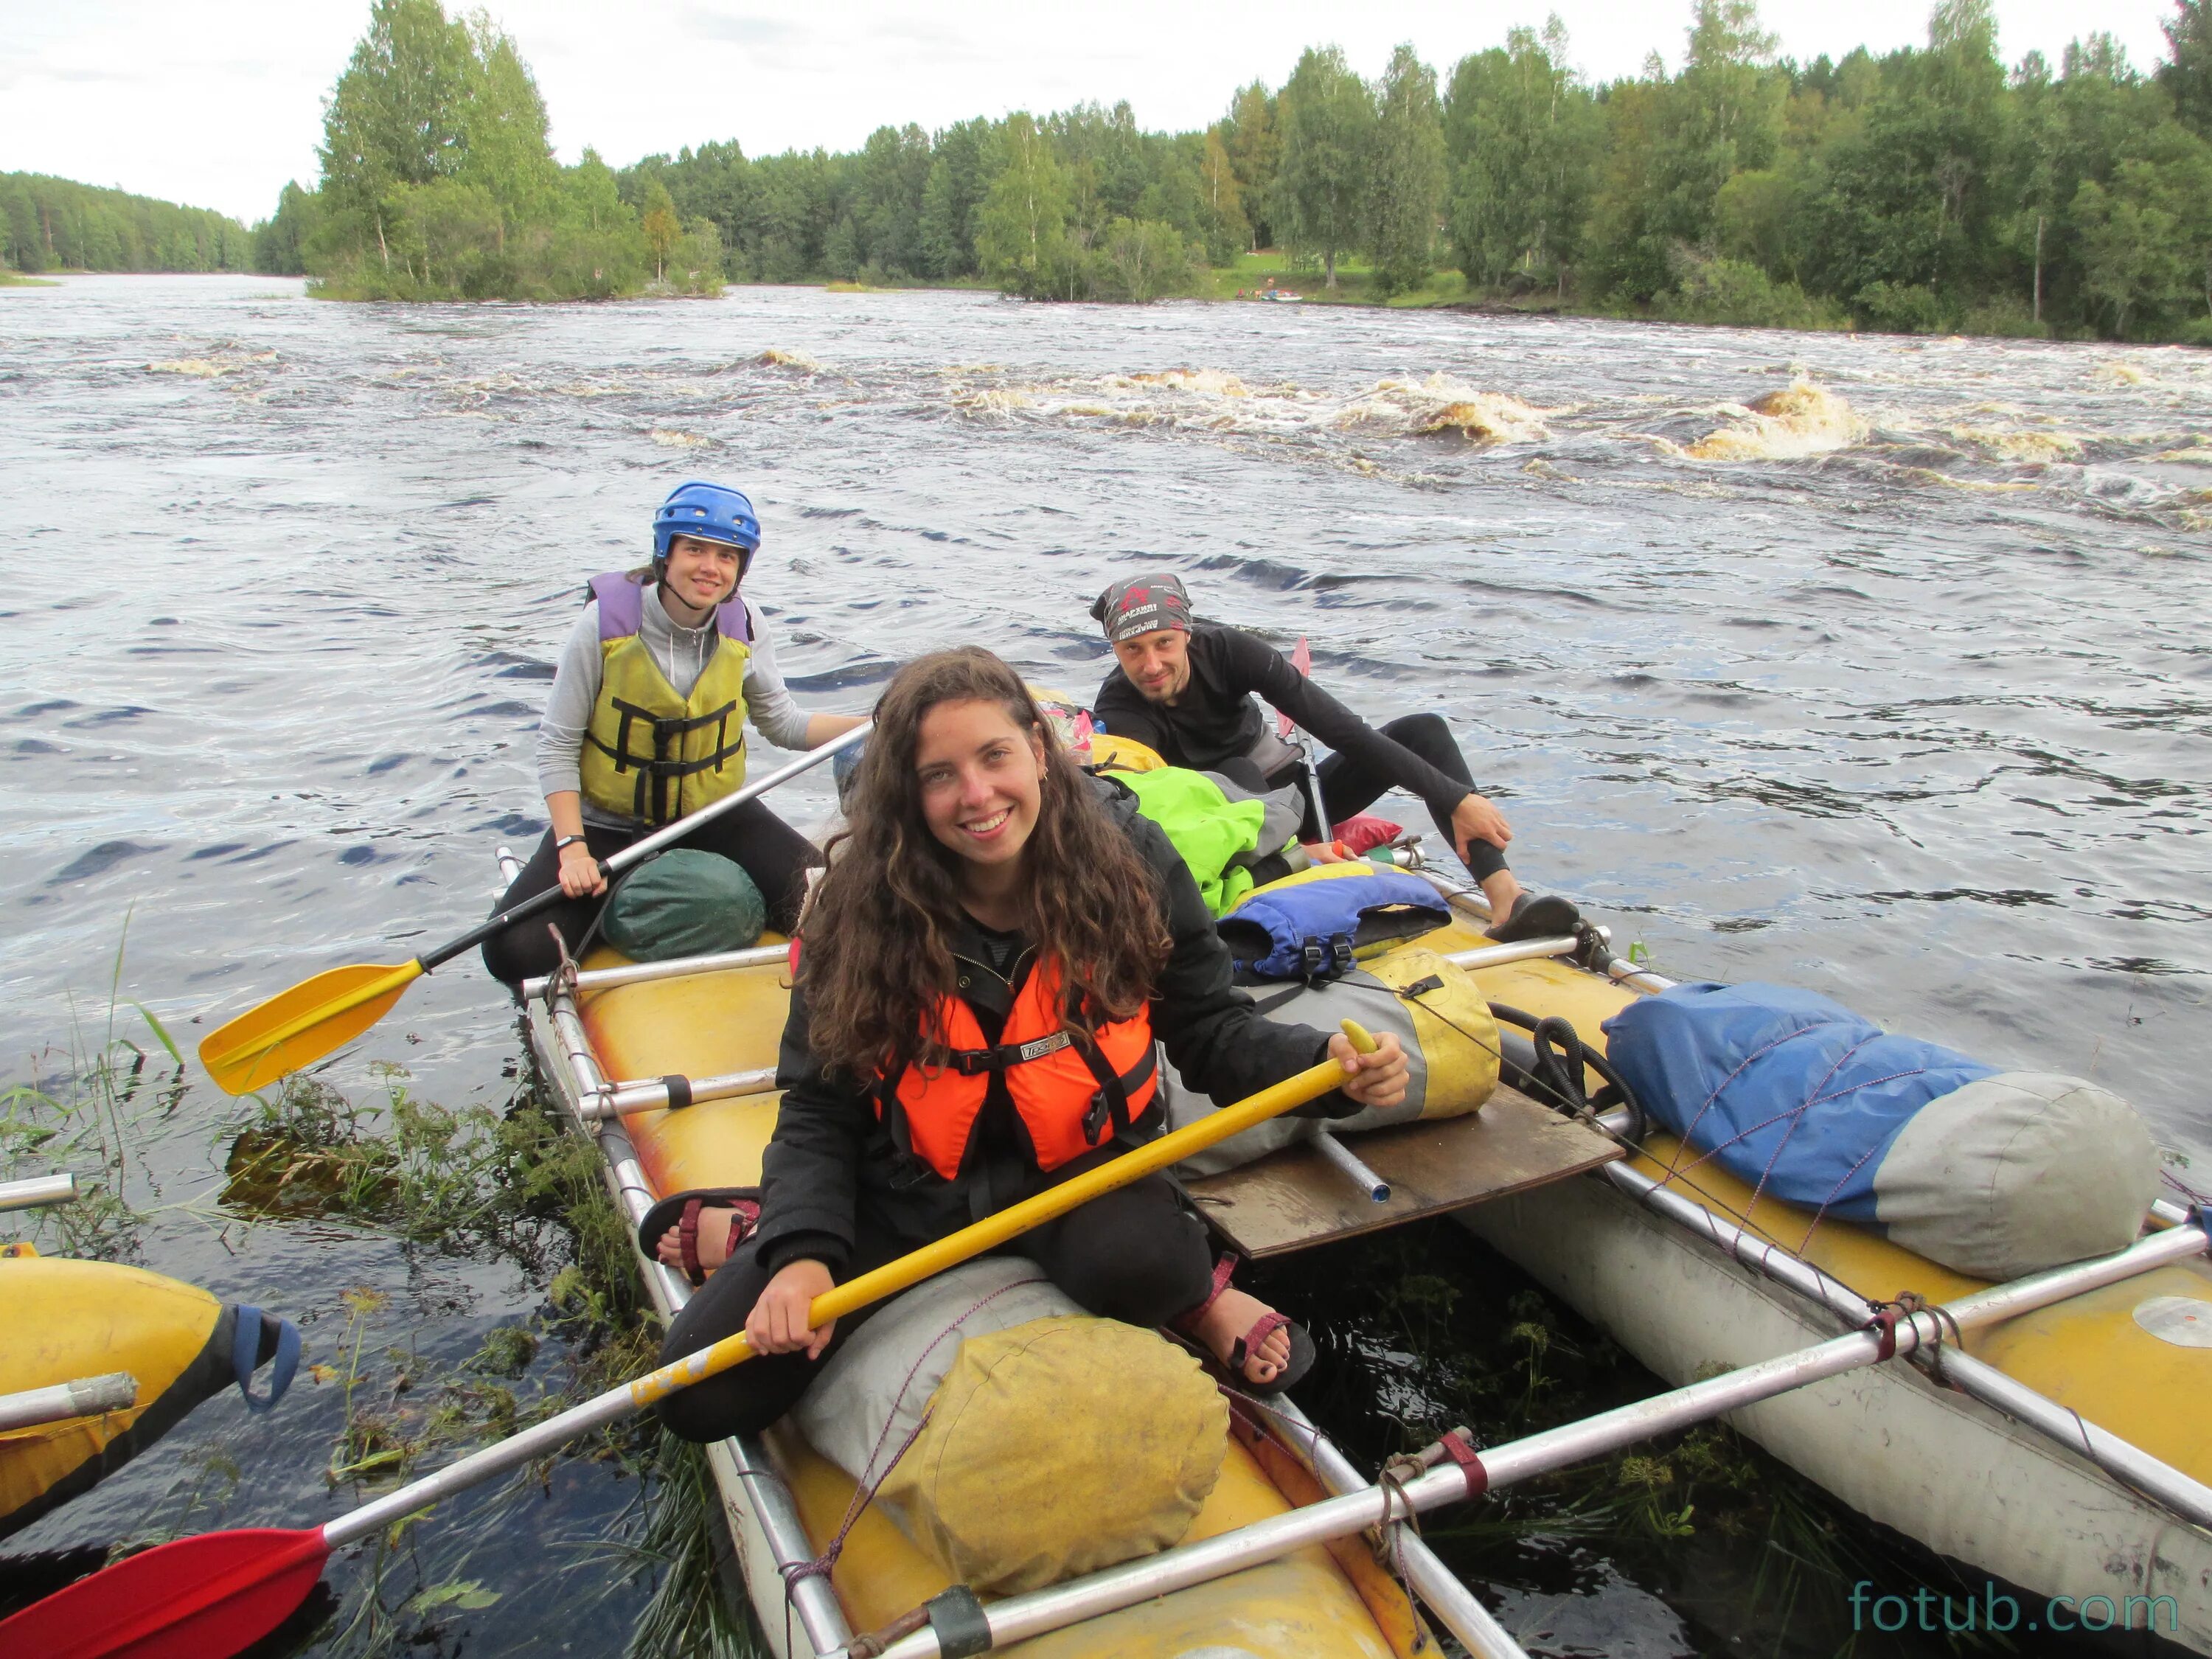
x=681, y=653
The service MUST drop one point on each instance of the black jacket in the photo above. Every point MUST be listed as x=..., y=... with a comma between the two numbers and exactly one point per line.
x=1215, y=718
x=829, y=1155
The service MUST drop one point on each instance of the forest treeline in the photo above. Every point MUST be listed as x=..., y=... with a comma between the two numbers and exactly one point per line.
x=1931, y=188
x=439, y=182
x=55, y=224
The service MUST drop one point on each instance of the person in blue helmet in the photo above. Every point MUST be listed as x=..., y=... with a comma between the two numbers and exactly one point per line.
x=646, y=725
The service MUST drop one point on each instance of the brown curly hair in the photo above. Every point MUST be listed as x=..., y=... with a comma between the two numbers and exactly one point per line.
x=876, y=960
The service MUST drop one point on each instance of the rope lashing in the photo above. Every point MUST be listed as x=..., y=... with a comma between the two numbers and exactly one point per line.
x=864, y=1491
x=1887, y=1316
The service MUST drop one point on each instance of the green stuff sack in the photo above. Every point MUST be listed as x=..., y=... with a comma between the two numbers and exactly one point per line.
x=684, y=903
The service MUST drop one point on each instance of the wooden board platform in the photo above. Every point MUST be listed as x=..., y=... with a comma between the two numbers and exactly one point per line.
x=1296, y=1199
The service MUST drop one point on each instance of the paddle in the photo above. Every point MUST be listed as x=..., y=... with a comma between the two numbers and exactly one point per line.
x=317, y=1015
x=199, y=1598
x=1301, y=660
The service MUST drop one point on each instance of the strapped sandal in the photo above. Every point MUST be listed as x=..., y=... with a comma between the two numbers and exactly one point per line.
x=1292, y=1371
x=681, y=1211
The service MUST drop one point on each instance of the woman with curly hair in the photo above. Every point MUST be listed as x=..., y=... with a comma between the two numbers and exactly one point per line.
x=999, y=942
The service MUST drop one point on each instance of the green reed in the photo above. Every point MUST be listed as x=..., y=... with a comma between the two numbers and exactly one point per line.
x=93, y=1099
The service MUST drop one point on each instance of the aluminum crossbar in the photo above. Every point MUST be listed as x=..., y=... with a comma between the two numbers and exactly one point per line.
x=1347, y=1164
x=1020, y=1616
x=84, y=1396
x=654, y=1094
x=2121, y=1459
x=38, y=1190
x=1527, y=950
x=639, y=973
x=1454, y=1605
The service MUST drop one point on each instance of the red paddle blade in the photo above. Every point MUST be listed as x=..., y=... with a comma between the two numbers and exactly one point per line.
x=198, y=1598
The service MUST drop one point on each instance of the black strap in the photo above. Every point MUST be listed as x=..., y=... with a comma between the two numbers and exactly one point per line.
x=1111, y=1103
x=956, y=1618
x=650, y=801
x=679, y=1091
x=975, y=1062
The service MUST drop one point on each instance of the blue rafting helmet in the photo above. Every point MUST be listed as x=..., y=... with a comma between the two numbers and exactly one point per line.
x=710, y=510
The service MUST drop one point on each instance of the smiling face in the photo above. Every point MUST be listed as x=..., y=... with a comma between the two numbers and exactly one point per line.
x=980, y=777
x=701, y=573
x=1158, y=663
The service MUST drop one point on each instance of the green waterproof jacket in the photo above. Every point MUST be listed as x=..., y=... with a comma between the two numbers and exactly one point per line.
x=1207, y=828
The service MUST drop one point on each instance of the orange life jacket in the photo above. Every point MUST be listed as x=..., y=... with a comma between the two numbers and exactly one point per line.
x=1072, y=1092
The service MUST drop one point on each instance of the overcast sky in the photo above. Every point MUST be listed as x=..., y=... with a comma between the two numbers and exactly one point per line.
x=217, y=102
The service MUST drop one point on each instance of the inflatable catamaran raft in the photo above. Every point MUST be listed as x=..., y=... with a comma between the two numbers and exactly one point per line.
x=102, y=1359
x=2040, y=1424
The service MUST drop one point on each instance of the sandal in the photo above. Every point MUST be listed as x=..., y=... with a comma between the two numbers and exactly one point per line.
x=1548, y=917
x=681, y=1211
x=1292, y=1371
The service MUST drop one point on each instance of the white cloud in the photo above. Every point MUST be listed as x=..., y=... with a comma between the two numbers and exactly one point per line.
x=219, y=104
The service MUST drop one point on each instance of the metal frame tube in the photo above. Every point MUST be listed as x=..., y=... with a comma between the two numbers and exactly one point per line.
x=37, y=1191
x=1351, y=1168
x=626, y=1099
x=1527, y=950
x=639, y=973
x=2120, y=1458
x=821, y=1615
x=1453, y=1604
x=1020, y=1616
x=82, y=1396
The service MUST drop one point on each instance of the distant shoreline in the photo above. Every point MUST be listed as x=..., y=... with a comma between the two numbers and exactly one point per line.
x=1444, y=293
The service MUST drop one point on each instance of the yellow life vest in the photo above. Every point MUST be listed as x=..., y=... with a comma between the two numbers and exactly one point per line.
x=649, y=754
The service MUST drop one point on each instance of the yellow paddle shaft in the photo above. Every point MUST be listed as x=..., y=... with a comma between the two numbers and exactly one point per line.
x=1016, y=1220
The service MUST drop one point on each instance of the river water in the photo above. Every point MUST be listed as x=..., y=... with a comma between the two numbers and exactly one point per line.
x=1896, y=685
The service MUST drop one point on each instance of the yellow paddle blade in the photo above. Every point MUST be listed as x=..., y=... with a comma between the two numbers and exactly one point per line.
x=302, y=1025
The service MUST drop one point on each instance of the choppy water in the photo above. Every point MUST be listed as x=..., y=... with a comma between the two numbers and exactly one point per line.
x=1896, y=685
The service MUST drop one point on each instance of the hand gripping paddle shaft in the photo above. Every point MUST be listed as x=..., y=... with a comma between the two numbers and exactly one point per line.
x=209, y=1596
x=317, y=1015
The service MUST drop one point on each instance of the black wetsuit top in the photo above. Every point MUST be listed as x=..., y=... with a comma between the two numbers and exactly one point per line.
x=1215, y=718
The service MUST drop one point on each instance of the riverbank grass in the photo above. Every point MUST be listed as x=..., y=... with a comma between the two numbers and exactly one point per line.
x=16, y=279
x=1356, y=282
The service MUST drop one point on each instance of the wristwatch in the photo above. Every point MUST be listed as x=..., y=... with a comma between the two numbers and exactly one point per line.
x=567, y=842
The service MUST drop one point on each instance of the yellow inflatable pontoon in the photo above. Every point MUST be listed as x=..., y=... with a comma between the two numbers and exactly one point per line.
x=63, y=1320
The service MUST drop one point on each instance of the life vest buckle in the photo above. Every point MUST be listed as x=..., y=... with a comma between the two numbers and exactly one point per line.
x=973, y=1062
x=1340, y=946
x=1095, y=1119
x=1312, y=958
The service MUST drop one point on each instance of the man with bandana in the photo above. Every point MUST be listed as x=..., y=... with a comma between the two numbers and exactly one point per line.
x=1185, y=689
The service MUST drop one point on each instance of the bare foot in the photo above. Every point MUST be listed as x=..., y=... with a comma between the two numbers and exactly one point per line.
x=1503, y=892
x=1234, y=1313
x=716, y=1222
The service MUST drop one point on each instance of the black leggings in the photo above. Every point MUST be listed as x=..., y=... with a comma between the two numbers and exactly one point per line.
x=1348, y=788
x=1135, y=1254
x=774, y=854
